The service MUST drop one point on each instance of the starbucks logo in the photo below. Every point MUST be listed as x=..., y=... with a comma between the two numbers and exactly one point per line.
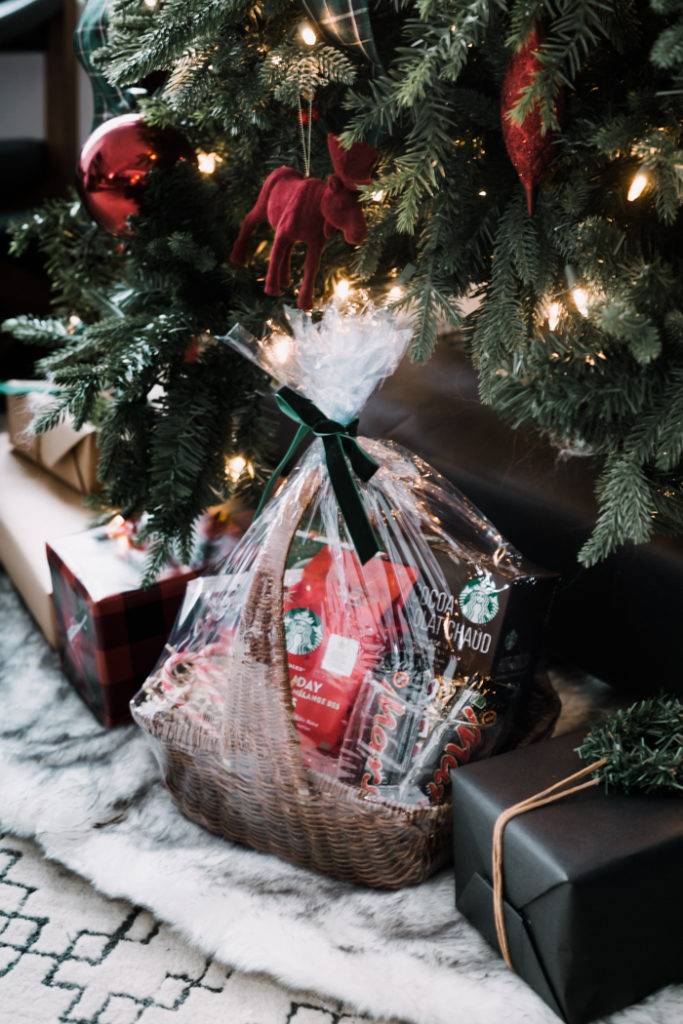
x=303, y=631
x=479, y=601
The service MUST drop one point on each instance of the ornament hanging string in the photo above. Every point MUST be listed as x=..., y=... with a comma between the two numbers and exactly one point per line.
x=340, y=445
x=306, y=137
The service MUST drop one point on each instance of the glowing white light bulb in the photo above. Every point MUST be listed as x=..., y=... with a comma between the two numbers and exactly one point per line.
x=280, y=350
x=395, y=293
x=235, y=466
x=482, y=192
x=554, y=311
x=378, y=196
x=342, y=289
x=150, y=3
x=207, y=162
x=637, y=185
x=308, y=35
x=116, y=531
x=580, y=298
x=115, y=525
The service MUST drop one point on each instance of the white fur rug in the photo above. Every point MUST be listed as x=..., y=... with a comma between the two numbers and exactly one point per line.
x=93, y=802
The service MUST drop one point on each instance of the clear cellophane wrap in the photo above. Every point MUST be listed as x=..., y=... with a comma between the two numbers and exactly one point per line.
x=313, y=706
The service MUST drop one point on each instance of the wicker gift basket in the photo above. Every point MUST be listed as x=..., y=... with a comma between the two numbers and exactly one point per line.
x=230, y=726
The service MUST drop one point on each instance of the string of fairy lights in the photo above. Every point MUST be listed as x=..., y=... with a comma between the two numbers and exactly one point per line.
x=343, y=288
x=579, y=294
x=344, y=292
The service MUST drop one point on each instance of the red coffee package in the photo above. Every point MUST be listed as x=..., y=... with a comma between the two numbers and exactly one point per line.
x=337, y=617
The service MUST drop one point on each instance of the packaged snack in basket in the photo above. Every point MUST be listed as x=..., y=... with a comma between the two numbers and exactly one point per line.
x=371, y=631
x=334, y=635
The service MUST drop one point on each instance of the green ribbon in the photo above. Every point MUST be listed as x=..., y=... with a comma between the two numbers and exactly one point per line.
x=340, y=445
x=347, y=24
x=28, y=388
x=89, y=36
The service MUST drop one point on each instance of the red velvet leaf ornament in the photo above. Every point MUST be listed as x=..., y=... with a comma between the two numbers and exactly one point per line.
x=528, y=149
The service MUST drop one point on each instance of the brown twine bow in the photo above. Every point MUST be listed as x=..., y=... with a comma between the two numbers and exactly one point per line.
x=546, y=796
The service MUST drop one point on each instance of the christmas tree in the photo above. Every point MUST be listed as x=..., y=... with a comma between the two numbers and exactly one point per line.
x=528, y=156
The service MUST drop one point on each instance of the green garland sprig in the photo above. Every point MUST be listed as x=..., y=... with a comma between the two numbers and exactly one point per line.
x=642, y=745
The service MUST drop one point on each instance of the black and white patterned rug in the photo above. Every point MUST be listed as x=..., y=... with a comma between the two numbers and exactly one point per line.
x=92, y=802
x=69, y=955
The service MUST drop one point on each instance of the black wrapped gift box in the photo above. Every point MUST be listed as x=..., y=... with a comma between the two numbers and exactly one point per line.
x=593, y=884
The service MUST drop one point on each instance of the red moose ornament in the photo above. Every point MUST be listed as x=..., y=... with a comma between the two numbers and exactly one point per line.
x=308, y=210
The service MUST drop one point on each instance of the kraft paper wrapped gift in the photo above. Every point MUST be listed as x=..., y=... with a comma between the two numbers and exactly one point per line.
x=71, y=455
x=110, y=631
x=593, y=887
x=34, y=508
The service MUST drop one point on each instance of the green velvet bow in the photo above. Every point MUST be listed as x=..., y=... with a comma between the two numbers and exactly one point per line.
x=340, y=445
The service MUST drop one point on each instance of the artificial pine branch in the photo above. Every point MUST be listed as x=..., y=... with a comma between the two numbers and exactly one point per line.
x=81, y=262
x=642, y=745
x=577, y=26
x=445, y=198
x=46, y=333
x=626, y=514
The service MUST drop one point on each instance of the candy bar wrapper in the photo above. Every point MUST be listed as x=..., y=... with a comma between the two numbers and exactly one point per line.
x=70, y=455
x=409, y=729
x=472, y=728
x=384, y=730
x=403, y=662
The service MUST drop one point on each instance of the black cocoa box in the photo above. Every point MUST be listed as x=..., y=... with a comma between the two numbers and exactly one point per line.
x=593, y=884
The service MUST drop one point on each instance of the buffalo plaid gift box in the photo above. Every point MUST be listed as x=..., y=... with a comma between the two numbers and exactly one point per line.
x=111, y=632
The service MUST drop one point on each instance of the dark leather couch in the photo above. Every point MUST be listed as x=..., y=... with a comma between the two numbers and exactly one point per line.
x=620, y=620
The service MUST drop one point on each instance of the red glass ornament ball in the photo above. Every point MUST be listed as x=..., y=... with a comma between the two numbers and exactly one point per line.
x=114, y=163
